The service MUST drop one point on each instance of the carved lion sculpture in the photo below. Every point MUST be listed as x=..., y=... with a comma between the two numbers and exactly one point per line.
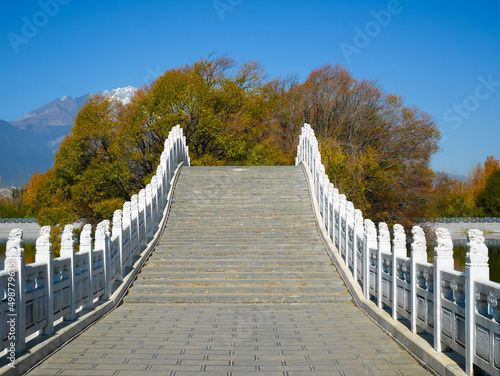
x=15, y=243
x=418, y=235
x=478, y=251
x=86, y=235
x=399, y=234
x=43, y=240
x=443, y=238
x=67, y=237
x=370, y=230
x=384, y=234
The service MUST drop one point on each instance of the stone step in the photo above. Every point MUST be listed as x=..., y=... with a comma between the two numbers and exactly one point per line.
x=240, y=298
x=259, y=289
x=240, y=235
x=151, y=273
x=238, y=262
x=237, y=282
x=222, y=267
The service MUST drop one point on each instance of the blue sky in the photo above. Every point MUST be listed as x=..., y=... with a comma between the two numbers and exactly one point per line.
x=441, y=56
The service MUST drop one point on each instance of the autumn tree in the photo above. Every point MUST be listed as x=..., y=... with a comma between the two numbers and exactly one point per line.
x=488, y=198
x=478, y=177
x=222, y=109
x=46, y=200
x=450, y=197
x=375, y=149
x=454, y=197
x=113, y=150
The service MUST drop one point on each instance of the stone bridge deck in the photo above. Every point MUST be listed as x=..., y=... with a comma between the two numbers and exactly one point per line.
x=240, y=283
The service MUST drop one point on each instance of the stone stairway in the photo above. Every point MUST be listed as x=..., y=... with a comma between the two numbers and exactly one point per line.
x=240, y=235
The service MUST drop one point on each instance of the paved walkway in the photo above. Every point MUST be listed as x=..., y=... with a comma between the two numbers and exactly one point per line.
x=239, y=284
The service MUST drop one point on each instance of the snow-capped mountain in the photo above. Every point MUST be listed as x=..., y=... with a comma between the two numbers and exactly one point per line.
x=123, y=94
x=30, y=142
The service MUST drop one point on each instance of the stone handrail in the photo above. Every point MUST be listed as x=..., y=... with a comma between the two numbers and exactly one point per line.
x=460, y=310
x=18, y=220
x=460, y=220
x=36, y=297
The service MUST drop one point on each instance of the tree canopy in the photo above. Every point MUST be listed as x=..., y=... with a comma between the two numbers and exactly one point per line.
x=488, y=199
x=456, y=197
x=375, y=149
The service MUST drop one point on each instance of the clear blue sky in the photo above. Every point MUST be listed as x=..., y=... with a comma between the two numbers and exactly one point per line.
x=442, y=56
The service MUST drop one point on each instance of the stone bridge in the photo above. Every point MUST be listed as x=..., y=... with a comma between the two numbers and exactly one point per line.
x=239, y=270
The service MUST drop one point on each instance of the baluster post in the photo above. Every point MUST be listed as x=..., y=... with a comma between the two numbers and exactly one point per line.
x=335, y=214
x=149, y=211
x=155, y=192
x=358, y=231
x=418, y=255
x=476, y=267
x=326, y=187
x=44, y=255
x=134, y=207
x=101, y=242
x=330, y=211
x=161, y=187
x=117, y=235
x=15, y=266
x=398, y=251
x=342, y=212
x=86, y=247
x=143, y=215
x=68, y=250
x=370, y=246
x=443, y=259
x=127, y=226
x=384, y=246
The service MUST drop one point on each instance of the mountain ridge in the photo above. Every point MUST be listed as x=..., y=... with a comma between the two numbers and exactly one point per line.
x=31, y=141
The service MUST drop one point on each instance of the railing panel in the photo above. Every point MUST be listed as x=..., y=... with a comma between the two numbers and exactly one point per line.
x=425, y=296
x=373, y=272
x=36, y=297
x=453, y=310
x=5, y=307
x=114, y=260
x=62, y=287
x=82, y=275
x=403, y=280
x=359, y=254
x=98, y=276
x=487, y=328
x=386, y=274
x=350, y=248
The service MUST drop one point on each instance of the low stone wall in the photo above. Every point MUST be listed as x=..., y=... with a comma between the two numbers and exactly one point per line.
x=458, y=231
x=31, y=231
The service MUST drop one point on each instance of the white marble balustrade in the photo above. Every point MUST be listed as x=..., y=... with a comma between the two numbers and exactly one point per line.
x=36, y=296
x=461, y=310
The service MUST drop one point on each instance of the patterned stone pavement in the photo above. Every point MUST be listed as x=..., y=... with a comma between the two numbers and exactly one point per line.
x=187, y=339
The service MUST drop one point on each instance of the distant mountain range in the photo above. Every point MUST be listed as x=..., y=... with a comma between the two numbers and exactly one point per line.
x=30, y=142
